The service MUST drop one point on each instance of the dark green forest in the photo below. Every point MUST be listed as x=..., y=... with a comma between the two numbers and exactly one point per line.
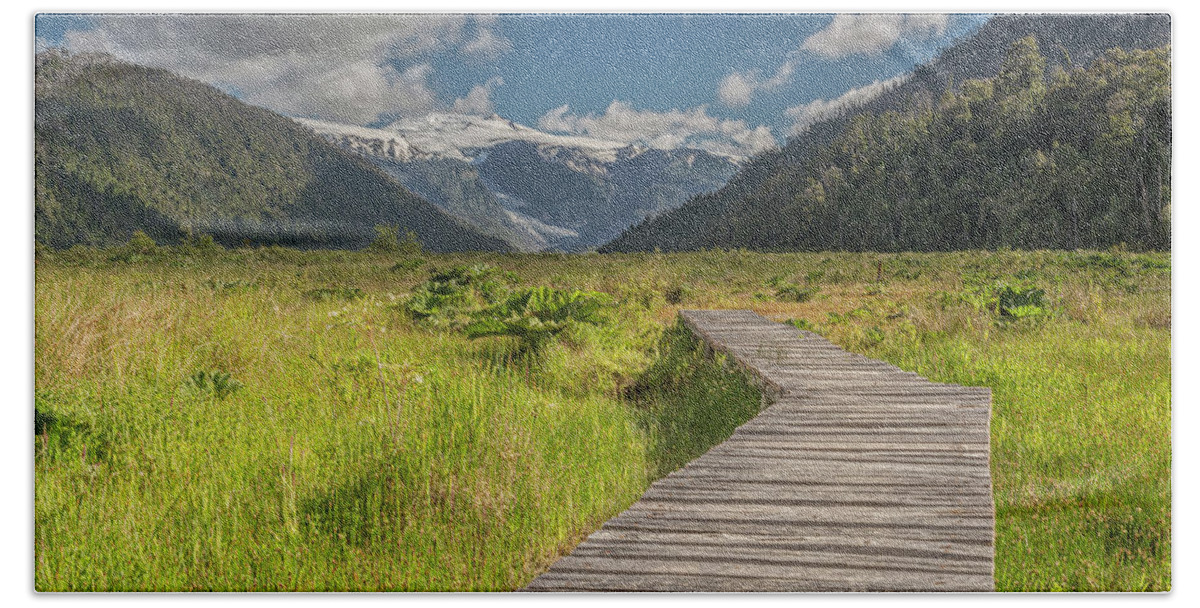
x=120, y=148
x=1033, y=157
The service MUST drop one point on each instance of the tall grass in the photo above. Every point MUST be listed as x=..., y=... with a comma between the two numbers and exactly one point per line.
x=354, y=449
x=1081, y=448
x=358, y=452
x=675, y=400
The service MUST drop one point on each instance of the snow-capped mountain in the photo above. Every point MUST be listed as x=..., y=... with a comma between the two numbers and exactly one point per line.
x=534, y=189
x=459, y=136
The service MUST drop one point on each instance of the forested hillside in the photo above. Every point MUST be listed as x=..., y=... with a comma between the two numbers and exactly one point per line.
x=1044, y=153
x=120, y=147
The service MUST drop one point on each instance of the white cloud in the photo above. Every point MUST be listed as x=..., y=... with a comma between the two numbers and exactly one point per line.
x=737, y=88
x=846, y=34
x=479, y=99
x=871, y=34
x=333, y=67
x=487, y=43
x=805, y=115
x=693, y=128
x=557, y=119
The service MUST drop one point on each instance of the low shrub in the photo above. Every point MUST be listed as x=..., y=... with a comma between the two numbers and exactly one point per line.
x=538, y=314
x=220, y=384
x=449, y=298
x=801, y=324
x=791, y=292
x=1021, y=302
x=407, y=264
x=139, y=247
x=677, y=294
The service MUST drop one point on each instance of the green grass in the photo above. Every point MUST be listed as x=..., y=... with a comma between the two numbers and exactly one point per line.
x=1081, y=449
x=676, y=400
x=352, y=448
x=358, y=451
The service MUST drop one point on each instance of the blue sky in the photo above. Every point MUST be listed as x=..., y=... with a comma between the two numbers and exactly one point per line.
x=676, y=61
x=677, y=79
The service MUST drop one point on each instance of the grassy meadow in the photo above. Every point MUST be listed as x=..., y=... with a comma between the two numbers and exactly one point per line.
x=270, y=419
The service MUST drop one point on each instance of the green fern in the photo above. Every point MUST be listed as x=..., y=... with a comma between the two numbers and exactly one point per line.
x=221, y=384
x=536, y=315
x=449, y=297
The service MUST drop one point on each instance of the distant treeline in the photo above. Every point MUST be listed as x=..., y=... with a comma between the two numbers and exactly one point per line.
x=120, y=148
x=1031, y=158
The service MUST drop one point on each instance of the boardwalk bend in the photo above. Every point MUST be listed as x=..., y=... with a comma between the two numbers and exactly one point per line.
x=857, y=477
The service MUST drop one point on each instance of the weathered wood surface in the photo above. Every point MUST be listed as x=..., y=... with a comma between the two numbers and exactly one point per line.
x=858, y=476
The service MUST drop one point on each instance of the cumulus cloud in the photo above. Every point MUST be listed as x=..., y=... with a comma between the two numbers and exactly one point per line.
x=693, y=128
x=805, y=115
x=846, y=34
x=487, y=42
x=347, y=68
x=737, y=88
x=871, y=34
x=479, y=99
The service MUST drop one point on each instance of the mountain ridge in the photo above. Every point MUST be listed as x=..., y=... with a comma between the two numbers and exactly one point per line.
x=121, y=147
x=536, y=190
x=703, y=221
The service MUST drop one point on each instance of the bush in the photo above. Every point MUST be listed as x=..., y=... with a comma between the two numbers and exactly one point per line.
x=140, y=245
x=323, y=294
x=410, y=245
x=803, y=324
x=387, y=239
x=536, y=315
x=677, y=294
x=406, y=265
x=202, y=245
x=1099, y=260
x=478, y=300
x=791, y=292
x=448, y=298
x=219, y=383
x=1017, y=303
x=794, y=293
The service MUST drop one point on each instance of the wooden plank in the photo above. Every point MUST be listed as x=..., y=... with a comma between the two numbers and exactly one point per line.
x=775, y=529
x=871, y=544
x=857, y=476
x=827, y=575
x=641, y=581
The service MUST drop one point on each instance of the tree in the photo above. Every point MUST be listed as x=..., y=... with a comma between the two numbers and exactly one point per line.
x=410, y=245
x=387, y=239
x=1024, y=68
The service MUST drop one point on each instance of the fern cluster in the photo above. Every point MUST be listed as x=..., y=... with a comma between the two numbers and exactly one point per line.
x=480, y=301
x=449, y=297
x=1009, y=301
x=219, y=383
x=536, y=315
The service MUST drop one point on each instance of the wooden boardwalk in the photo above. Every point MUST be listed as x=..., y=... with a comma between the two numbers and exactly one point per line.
x=858, y=476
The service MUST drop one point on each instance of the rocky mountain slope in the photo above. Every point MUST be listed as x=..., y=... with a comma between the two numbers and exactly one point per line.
x=535, y=190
